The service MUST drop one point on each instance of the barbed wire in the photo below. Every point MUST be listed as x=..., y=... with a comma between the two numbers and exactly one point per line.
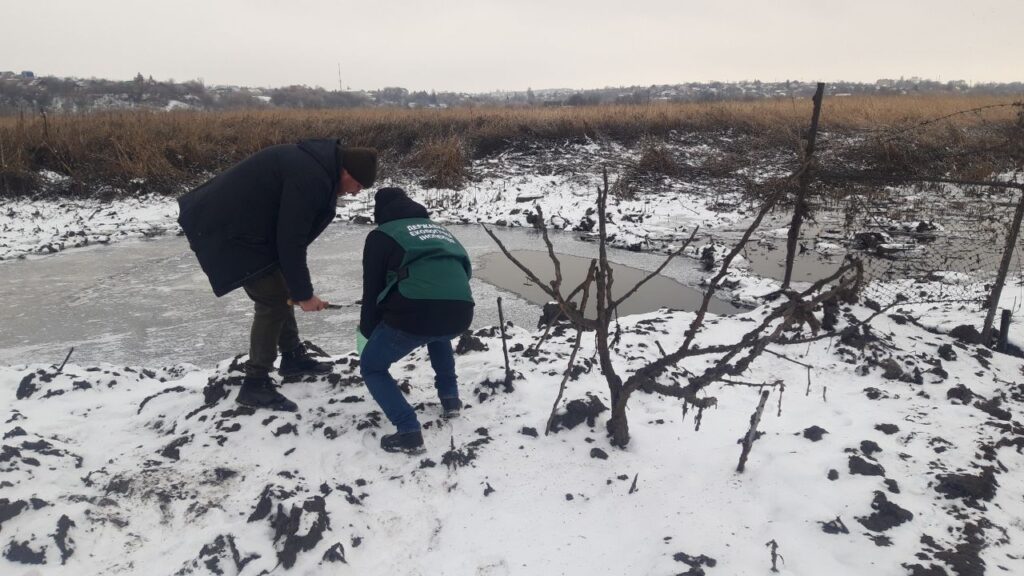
x=933, y=229
x=931, y=121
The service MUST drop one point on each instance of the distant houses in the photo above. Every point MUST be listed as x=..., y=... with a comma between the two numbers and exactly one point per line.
x=25, y=90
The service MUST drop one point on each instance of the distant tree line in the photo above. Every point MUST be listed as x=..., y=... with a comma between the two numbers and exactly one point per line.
x=25, y=92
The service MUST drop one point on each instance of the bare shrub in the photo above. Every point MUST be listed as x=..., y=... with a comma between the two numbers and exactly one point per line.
x=442, y=161
x=721, y=164
x=791, y=314
x=654, y=163
x=656, y=159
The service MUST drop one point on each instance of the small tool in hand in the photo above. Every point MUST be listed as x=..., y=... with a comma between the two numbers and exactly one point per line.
x=326, y=306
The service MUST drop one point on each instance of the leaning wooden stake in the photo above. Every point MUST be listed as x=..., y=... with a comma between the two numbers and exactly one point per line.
x=504, y=347
x=1004, y=267
x=748, y=441
x=804, y=183
x=66, y=358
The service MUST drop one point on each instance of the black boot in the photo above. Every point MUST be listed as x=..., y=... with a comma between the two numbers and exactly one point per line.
x=298, y=362
x=260, y=392
x=450, y=407
x=408, y=442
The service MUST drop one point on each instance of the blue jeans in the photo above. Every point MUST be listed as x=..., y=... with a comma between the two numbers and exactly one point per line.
x=388, y=345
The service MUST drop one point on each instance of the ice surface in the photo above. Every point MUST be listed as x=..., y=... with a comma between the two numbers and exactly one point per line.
x=146, y=302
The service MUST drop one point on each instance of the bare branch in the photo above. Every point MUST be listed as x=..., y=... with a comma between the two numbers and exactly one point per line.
x=748, y=440
x=608, y=291
x=529, y=273
x=66, y=358
x=552, y=321
x=751, y=341
x=604, y=280
x=615, y=304
x=787, y=358
x=547, y=328
x=728, y=382
x=572, y=357
x=655, y=368
x=565, y=380
x=685, y=393
x=713, y=284
x=754, y=346
x=556, y=284
x=574, y=316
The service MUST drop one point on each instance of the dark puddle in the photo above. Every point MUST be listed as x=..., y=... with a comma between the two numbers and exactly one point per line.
x=889, y=252
x=659, y=292
x=768, y=260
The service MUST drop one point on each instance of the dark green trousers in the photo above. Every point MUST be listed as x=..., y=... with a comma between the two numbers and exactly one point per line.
x=273, y=325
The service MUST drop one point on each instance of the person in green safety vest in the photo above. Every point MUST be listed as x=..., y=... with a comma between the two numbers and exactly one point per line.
x=415, y=293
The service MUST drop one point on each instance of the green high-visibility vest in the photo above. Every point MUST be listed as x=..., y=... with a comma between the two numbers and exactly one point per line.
x=435, y=266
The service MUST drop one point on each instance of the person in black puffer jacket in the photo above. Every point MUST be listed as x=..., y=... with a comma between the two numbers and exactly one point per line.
x=415, y=293
x=250, y=227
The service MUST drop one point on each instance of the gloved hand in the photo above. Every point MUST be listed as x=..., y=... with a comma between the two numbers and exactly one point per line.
x=360, y=342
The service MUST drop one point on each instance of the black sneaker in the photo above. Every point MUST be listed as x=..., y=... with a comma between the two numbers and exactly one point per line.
x=408, y=442
x=450, y=407
x=298, y=362
x=260, y=392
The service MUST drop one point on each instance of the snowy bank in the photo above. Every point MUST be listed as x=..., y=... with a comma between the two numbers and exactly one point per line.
x=898, y=452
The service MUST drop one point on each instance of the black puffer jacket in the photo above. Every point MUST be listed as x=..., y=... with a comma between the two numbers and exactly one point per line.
x=380, y=254
x=263, y=213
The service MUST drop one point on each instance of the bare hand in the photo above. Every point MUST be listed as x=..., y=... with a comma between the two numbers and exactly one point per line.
x=314, y=304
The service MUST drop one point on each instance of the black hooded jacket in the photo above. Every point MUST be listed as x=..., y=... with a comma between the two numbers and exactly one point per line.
x=380, y=254
x=262, y=214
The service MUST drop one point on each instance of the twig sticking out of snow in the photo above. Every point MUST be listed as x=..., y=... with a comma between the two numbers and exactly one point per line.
x=775, y=554
x=660, y=348
x=748, y=441
x=66, y=358
x=504, y=346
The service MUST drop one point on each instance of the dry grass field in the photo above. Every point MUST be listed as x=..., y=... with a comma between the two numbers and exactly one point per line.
x=172, y=150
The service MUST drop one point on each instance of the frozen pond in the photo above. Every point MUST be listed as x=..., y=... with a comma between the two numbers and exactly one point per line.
x=656, y=293
x=146, y=302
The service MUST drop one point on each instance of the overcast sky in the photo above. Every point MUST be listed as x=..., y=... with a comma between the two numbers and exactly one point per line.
x=483, y=45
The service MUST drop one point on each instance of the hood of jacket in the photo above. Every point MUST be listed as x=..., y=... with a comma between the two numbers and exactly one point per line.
x=393, y=204
x=326, y=153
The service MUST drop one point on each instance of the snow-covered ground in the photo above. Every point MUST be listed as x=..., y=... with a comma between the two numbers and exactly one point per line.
x=34, y=227
x=38, y=227
x=899, y=455
x=899, y=451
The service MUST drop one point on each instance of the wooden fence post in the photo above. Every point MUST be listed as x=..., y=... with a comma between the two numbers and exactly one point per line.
x=1004, y=267
x=805, y=181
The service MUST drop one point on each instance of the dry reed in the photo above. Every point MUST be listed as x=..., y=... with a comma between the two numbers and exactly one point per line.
x=173, y=150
